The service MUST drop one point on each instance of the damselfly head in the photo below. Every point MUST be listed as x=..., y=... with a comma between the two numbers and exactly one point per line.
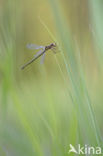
x=53, y=44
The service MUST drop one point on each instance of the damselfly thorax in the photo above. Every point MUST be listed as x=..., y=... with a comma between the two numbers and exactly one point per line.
x=42, y=52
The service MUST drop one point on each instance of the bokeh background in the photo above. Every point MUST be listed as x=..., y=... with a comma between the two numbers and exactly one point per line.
x=45, y=108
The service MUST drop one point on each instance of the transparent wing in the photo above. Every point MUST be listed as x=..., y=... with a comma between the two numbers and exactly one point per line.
x=38, y=53
x=42, y=59
x=34, y=46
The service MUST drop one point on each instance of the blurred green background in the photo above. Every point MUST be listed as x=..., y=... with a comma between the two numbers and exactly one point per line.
x=45, y=108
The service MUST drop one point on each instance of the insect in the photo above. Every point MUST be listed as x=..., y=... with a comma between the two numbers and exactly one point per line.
x=43, y=50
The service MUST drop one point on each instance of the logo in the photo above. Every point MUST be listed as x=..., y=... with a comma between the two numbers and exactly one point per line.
x=84, y=149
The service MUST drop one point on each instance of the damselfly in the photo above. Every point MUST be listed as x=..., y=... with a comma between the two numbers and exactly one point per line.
x=43, y=50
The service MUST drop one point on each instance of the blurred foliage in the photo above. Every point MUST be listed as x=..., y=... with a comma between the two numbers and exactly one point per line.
x=44, y=108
